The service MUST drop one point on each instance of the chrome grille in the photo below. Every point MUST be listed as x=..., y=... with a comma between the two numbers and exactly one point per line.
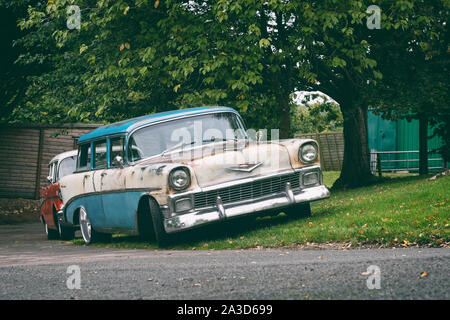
x=247, y=191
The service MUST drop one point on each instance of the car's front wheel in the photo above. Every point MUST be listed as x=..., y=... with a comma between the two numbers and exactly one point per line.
x=299, y=210
x=162, y=238
x=87, y=232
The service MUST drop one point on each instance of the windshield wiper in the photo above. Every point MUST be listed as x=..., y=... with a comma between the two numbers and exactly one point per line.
x=184, y=144
x=179, y=145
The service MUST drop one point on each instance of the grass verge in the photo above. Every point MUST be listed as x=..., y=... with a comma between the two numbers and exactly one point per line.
x=401, y=210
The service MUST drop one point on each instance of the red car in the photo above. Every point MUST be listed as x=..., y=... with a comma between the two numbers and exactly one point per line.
x=61, y=165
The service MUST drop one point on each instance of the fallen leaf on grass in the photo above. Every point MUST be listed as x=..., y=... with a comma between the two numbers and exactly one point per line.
x=407, y=243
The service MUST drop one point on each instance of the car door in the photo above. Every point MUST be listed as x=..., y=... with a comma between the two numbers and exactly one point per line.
x=63, y=168
x=115, y=198
x=97, y=213
x=48, y=194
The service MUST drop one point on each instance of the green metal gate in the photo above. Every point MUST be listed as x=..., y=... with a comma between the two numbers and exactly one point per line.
x=401, y=139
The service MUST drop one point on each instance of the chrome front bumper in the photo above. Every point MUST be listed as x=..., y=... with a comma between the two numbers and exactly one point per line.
x=225, y=211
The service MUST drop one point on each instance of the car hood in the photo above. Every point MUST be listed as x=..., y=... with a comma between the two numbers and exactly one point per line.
x=217, y=163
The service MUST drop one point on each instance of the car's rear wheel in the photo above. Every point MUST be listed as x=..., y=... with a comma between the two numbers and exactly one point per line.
x=51, y=234
x=300, y=210
x=87, y=232
x=162, y=238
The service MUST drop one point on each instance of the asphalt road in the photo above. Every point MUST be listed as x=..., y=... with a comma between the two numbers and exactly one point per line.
x=34, y=268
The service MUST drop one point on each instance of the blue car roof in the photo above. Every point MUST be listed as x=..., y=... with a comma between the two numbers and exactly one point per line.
x=126, y=126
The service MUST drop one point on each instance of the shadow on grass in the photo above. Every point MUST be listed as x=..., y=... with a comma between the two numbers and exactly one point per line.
x=218, y=231
x=234, y=228
x=399, y=177
x=388, y=180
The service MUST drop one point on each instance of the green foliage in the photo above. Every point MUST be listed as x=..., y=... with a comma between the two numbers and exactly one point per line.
x=318, y=117
x=134, y=57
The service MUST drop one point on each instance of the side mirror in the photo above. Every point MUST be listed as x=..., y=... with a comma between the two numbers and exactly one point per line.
x=118, y=161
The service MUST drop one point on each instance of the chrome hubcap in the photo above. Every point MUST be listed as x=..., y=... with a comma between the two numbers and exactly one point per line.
x=85, y=226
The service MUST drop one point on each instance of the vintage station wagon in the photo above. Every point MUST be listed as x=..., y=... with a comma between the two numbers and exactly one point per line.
x=173, y=171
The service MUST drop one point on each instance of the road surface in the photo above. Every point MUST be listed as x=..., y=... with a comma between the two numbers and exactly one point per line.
x=32, y=267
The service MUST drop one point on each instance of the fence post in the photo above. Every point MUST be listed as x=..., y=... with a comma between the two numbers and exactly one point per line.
x=379, y=169
x=320, y=152
x=39, y=162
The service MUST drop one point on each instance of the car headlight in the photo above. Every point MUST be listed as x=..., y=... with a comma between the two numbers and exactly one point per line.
x=179, y=178
x=308, y=152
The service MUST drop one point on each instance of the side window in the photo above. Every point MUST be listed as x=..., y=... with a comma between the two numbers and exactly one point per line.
x=51, y=172
x=84, y=157
x=117, y=149
x=66, y=167
x=133, y=153
x=100, y=154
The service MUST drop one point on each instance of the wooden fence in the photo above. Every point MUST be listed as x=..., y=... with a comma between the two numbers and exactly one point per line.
x=331, y=149
x=25, y=151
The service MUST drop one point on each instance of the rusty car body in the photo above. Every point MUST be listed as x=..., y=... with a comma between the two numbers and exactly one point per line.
x=157, y=175
x=59, y=166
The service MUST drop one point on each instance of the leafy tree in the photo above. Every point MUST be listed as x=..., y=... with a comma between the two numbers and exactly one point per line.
x=317, y=117
x=12, y=76
x=415, y=68
x=138, y=56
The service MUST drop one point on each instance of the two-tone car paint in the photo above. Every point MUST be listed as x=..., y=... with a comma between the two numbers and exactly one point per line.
x=112, y=194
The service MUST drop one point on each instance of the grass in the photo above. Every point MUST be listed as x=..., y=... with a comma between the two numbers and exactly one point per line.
x=401, y=210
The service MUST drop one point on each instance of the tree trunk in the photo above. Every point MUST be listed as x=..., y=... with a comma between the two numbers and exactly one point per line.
x=356, y=165
x=423, y=144
x=285, y=117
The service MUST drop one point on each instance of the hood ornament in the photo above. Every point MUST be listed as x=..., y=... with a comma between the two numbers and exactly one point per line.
x=245, y=167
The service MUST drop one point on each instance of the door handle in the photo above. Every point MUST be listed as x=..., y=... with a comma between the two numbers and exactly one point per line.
x=84, y=180
x=102, y=175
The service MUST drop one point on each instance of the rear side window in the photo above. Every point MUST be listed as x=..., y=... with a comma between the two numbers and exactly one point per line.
x=51, y=173
x=117, y=149
x=84, y=157
x=66, y=167
x=100, y=160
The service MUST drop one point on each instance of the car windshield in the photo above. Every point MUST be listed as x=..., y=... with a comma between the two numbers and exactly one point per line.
x=179, y=133
x=67, y=166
